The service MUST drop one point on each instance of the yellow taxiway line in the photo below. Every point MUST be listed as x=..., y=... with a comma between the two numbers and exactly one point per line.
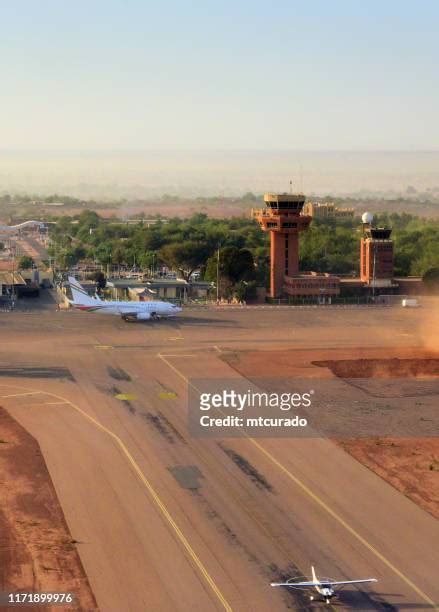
x=19, y=394
x=162, y=507
x=318, y=500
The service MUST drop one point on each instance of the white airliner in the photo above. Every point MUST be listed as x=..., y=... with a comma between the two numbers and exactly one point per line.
x=139, y=311
x=324, y=587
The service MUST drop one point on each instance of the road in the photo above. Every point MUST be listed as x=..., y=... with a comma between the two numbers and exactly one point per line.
x=125, y=470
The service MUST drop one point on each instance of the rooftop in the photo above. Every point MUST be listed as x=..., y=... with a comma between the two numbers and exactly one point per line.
x=284, y=197
x=125, y=283
x=9, y=278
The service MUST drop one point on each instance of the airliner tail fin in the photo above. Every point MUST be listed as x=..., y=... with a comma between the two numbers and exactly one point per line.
x=79, y=294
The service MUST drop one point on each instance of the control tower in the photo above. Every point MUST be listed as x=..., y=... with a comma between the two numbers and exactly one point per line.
x=283, y=219
x=376, y=260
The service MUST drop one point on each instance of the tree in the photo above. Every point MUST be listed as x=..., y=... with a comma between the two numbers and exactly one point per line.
x=185, y=257
x=241, y=266
x=25, y=262
x=103, y=253
x=147, y=260
x=234, y=268
x=431, y=279
x=88, y=219
x=234, y=264
x=67, y=258
x=118, y=255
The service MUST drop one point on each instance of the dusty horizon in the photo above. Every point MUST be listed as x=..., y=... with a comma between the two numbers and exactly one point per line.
x=142, y=174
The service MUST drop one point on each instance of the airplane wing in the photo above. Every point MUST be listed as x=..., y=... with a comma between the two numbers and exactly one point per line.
x=351, y=581
x=310, y=584
x=299, y=585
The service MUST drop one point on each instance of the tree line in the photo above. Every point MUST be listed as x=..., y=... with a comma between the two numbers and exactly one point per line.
x=235, y=248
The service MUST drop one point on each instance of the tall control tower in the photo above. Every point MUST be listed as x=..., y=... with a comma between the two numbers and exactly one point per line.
x=283, y=219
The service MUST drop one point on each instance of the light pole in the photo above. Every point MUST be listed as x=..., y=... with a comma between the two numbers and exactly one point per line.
x=14, y=252
x=373, y=273
x=217, y=273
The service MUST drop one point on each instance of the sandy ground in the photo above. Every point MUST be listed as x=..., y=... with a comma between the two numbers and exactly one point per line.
x=37, y=552
x=167, y=521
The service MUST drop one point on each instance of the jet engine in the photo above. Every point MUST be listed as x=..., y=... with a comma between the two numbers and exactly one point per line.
x=143, y=316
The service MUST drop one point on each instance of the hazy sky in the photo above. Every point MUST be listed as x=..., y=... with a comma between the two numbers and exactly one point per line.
x=225, y=74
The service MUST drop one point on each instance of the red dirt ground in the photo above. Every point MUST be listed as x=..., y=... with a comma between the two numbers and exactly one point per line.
x=410, y=465
x=37, y=552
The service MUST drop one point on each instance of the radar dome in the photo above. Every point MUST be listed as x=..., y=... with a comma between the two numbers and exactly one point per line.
x=367, y=217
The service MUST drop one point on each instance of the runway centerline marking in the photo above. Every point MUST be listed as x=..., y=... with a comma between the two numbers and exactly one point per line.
x=162, y=507
x=319, y=501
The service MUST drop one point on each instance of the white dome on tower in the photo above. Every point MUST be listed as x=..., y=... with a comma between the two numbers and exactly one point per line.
x=367, y=217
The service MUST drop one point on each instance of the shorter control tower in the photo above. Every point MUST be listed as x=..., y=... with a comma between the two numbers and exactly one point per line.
x=283, y=219
x=376, y=260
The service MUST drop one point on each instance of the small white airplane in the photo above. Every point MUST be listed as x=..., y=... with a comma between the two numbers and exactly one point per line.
x=129, y=311
x=324, y=587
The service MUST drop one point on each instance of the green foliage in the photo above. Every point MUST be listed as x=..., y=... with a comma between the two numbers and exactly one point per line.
x=186, y=256
x=327, y=247
x=191, y=243
x=25, y=262
x=431, y=278
x=234, y=268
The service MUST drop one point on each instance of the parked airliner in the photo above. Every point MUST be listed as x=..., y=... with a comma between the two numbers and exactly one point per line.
x=129, y=311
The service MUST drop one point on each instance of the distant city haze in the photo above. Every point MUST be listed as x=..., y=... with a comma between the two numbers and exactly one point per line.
x=137, y=175
x=248, y=93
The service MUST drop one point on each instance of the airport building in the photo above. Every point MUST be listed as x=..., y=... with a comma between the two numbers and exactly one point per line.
x=11, y=283
x=284, y=219
x=327, y=210
x=178, y=290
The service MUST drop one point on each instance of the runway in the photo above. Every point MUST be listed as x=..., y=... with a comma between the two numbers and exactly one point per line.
x=166, y=521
